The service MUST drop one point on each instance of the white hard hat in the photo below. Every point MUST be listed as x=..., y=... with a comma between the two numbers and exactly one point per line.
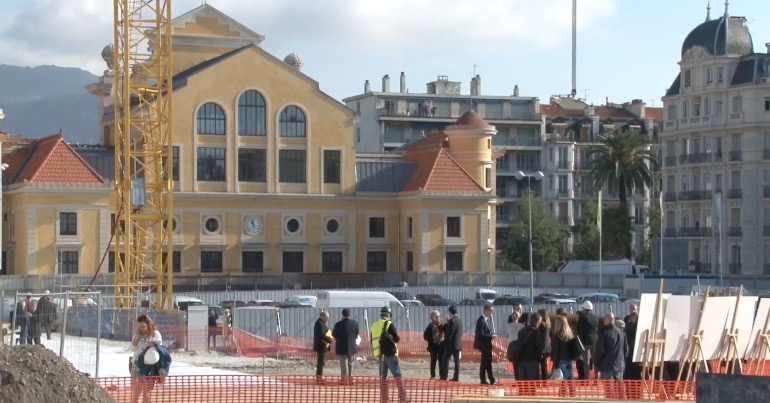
x=151, y=356
x=588, y=306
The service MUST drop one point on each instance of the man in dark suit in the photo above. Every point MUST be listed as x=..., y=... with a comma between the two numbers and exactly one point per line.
x=345, y=333
x=321, y=343
x=483, y=342
x=587, y=328
x=453, y=343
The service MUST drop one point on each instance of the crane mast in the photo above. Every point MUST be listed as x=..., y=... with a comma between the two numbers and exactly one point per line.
x=142, y=90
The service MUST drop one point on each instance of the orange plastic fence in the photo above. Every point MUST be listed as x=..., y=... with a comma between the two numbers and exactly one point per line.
x=411, y=347
x=291, y=389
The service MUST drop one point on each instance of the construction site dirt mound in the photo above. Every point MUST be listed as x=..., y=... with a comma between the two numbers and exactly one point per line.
x=32, y=374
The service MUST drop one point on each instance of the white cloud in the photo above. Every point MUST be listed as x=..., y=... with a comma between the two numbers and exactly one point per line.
x=72, y=33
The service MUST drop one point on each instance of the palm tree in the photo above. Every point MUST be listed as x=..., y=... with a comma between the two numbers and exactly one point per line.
x=622, y=161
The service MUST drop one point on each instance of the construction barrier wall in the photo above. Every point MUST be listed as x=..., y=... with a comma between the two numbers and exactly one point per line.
x=330, y=389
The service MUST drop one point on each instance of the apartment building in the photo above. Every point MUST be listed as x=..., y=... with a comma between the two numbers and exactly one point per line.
x=716, y=145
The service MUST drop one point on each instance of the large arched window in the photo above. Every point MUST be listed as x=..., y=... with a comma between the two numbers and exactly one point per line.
x=292, y=122
x=252, y=114
x=211, y=119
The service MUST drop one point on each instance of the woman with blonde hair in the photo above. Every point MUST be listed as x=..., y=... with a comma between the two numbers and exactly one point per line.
x=146, y=336
x=563, y=349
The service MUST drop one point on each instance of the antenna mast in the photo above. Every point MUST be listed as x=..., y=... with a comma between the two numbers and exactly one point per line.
x=574, y=48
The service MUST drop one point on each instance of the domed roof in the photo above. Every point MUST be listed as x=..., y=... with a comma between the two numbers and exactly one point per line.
x=471, y=118
x=711, y=35
x=107, y=54
x=292, y=58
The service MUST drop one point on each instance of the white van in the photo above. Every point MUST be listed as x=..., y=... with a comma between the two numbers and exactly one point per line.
x=486, y=294
x=356, y=299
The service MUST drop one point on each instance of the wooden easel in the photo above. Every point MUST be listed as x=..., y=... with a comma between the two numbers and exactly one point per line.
x=654, y=346
x=729, y=353
x=693, y=357
x=761, y=349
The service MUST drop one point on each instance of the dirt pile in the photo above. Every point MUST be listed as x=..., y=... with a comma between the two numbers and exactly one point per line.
x=32, y=374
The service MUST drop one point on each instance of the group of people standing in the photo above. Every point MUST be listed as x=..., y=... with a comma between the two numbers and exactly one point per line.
x=33, y=317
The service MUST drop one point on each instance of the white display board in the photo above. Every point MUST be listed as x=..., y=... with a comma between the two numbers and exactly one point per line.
x=744, y=315
x=646, y=314
x=758, y=328
x=717, y=316
x=197, y=327
x=680, y=321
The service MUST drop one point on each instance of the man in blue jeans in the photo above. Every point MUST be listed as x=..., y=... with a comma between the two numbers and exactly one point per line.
x=384, y=339
x=611, y=351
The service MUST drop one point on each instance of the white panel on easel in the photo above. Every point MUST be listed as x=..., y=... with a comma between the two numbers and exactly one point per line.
x=197, y=328
x=646, y=313
x=745, y=322
x=680, y=321
x=717, y=314
x=759, y=326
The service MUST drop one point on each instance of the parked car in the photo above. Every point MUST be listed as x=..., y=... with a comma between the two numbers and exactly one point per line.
x=439, y=302
x=402, y=295
x=548, y=296
x=473, y=302
x=597, y=297
x=232, y=304
x=512, y=300
x=292, y=304
x=558, y=301
x=262, y=302
x=425, y=298
x=412, y=302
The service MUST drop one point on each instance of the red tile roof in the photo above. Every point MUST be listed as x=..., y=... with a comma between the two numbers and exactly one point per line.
x=554, y=111
x=436, y=169
x=653, y=113
x=613, y=112
x=48, y=160
x=471, y=118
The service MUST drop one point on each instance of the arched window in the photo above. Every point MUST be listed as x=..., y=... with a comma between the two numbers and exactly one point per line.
x=292, y=122
x=252, y=114
x=211, y=119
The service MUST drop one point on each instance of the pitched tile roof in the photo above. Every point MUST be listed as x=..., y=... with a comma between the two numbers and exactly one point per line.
x=49, y=160
x=653, y=113
x=613, y=112
x=436, y=170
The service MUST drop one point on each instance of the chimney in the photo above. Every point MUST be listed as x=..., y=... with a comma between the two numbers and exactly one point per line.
x=367, y=87
x=402, y=87
x=386, y=83
x=478, y=85
x=474, y=87
x=767, y=45
x=515, y=90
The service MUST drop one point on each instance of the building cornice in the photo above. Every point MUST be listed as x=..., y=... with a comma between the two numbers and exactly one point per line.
x=32, y=187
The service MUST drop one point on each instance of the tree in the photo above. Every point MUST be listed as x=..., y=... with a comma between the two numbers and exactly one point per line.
x=616, y=233
x=622, y=161
x=546, y=232
x=653, y=232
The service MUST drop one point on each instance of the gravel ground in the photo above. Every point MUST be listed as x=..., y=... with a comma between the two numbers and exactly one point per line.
x=33, y=374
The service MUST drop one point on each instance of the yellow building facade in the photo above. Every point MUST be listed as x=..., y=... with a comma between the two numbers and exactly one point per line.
x=267, y=179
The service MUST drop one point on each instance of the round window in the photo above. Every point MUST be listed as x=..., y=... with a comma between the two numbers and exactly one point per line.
x=292, y=225
x=173, y=224
x=212, y=225
x=332, y=226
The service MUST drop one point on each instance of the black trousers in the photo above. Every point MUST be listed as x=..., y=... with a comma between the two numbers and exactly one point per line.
x=544, y=368
x=320, y=360
x=485, y=368
x=436, y=357
x=455, y=355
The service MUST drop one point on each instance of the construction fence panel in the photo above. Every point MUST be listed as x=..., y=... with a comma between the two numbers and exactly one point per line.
x=330, y=389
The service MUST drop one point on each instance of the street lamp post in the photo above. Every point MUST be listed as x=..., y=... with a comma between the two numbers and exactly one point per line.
x=519, y=175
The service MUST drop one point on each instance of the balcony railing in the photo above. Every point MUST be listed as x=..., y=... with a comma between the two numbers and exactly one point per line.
x=669, y=196
x=734, y=193
x=703, y=267
x=669, y=161
x=445, y=114
x=503, y=218
x=735, y=268
x=736, y=155
x=669, y=233
x=734, y=231
x=694, y=195
x=562, y=165
x=694, y=232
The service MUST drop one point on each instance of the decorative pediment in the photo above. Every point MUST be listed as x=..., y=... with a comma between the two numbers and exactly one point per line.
x=695, y=55
x=207, y=21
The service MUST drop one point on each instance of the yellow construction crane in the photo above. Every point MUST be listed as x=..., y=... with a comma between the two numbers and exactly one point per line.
x=142, y=90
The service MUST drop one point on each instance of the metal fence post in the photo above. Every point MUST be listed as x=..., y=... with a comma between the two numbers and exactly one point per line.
x=63, y=330
x=98, y=331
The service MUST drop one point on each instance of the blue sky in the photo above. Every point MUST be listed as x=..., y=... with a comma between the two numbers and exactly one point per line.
x=626, y=49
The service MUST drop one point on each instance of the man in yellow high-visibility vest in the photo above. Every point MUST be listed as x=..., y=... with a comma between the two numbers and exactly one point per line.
x=384, y=340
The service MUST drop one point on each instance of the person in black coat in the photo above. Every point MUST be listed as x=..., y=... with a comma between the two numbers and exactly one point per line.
x=48, y=318
x=434, y=335
x=345, y=333
x=482, y=342
x=531, y=350
x=587, y=328
x=633, y=370
x=321, y=343
x=453, y=343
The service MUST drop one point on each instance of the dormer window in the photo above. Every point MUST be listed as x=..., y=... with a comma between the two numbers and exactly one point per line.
x=687, y=78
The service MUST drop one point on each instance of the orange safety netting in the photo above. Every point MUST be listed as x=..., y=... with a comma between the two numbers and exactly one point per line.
x=291, y=389
x=411, y=347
